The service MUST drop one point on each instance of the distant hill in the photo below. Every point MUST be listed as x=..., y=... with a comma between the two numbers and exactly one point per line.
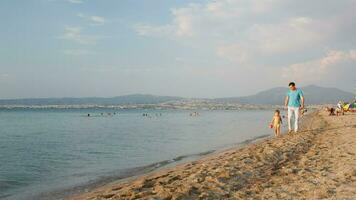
x=275, y=96
x=120, y=100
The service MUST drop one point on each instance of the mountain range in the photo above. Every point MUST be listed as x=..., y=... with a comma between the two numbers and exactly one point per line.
x=275, y=96
x=119, y=100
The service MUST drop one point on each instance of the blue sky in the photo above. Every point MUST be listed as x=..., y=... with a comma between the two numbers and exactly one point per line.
x=61, y=48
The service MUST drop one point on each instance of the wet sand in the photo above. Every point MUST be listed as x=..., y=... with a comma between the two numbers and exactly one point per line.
x=319, y=162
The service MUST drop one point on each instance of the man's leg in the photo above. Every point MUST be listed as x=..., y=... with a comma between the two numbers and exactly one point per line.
x=289, y=119
x=296, y=116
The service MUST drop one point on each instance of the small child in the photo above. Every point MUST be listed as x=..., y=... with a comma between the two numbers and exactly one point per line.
x=276, y=123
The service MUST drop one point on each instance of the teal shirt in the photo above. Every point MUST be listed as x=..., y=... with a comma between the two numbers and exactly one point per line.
x=294, y=97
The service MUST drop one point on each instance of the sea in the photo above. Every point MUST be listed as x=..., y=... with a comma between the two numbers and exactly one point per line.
x=55, y=153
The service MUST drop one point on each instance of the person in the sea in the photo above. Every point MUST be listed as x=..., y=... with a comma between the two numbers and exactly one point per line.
x=276, y=123
x=294, y=102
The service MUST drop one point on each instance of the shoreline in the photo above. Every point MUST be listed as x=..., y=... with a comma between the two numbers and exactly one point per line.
x=78, y=192
x=270, y=168
x=130, y=174
x=53, y=186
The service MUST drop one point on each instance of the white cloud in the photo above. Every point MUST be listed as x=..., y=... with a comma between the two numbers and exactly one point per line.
x=78, y=52
x=98, y=20
x=242, y=31
x=75, y=1
x=318, y=69
x=233, y=53
x=81, y=15
x=205, y=19
x=4, y=75
x=181, y=26
x=75, y=34
x=94, y=20
x=293, y=34
x=158, y=31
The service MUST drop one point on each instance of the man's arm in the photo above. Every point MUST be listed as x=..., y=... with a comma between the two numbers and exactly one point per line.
x=302, y=101
x=286, y=101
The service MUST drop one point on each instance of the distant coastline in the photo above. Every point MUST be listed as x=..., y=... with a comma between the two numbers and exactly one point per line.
x=195, y=105
x=265, y=99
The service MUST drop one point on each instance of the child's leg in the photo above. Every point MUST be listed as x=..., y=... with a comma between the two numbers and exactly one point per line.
x=278, y=130
x=275, y=131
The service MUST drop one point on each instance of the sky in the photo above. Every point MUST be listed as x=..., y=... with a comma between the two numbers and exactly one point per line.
x=203, y=48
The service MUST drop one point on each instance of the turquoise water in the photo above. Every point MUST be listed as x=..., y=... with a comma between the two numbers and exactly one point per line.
x=44, y=151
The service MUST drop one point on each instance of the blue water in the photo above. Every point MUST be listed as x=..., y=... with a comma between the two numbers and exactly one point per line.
x=43, y=151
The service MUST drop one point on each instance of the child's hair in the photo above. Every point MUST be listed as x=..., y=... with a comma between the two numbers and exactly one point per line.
x=277, y=111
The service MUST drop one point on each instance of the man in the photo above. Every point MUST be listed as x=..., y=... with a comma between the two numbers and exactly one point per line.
x=294, y=102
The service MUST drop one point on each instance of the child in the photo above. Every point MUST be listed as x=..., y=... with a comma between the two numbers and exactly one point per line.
x=276, y=123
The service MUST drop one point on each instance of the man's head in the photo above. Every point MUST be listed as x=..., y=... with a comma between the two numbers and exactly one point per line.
x=292, y=86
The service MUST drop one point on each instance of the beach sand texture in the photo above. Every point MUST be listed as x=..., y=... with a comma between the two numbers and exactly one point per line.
x=319, y=162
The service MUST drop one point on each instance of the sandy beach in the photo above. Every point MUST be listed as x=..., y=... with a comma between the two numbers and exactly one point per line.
x=319, y=162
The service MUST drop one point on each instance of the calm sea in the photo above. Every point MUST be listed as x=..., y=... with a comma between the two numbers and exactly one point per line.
x=44, y=153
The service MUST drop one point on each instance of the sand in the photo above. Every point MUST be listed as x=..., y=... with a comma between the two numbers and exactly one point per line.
x=319, y=162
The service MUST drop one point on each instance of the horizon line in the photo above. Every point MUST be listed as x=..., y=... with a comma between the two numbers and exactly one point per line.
x=156, y=95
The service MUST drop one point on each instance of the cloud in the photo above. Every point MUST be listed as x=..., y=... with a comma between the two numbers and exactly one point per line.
x=98, y=20
x=293, y=34
x=75, y=34
x=78, y=52
x=75, y=1
x=317, y=69
x=263, y=40
x=149, y=30
x=243, y=31
x=233, y=53
x=211, y=18
x=68, y=1
x=94, y=20
x=4, y=75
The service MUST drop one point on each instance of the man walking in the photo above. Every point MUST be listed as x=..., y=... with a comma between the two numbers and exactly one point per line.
x=294, y=101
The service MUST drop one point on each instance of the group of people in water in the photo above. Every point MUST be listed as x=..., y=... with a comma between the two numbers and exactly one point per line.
x=103, y=114
x=293, y=103
x=149, y=116
x=193, y=114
